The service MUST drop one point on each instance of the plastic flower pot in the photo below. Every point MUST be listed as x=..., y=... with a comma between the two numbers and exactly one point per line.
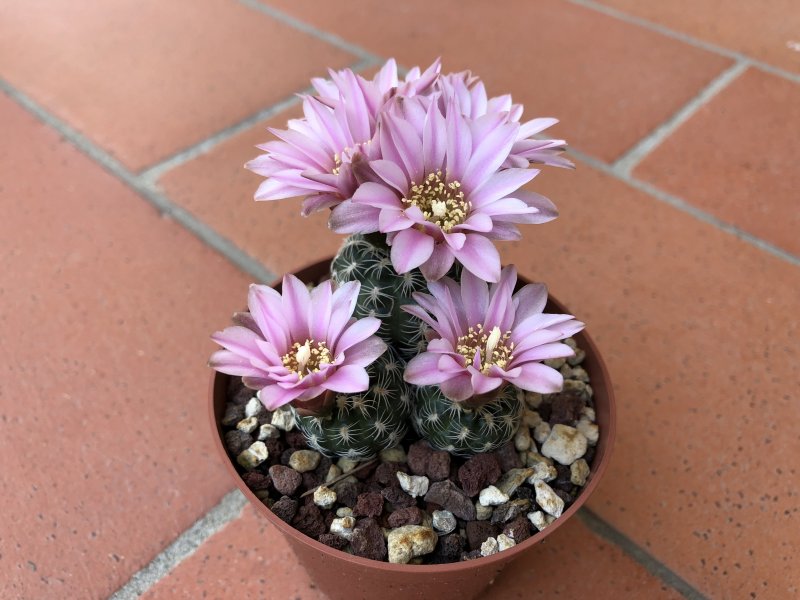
x=342, y=575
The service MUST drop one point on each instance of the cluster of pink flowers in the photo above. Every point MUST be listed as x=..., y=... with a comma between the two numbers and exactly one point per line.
x=432, y=161
x=437, y=166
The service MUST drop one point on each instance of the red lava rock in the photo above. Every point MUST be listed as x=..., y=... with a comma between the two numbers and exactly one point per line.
x=333, y=540
x=478, y=472
x=323, y=467
x=479, y=531
x=418, y=455
x=438, y=466
x=285, y=509
x=449, y=549
x=366, y=472
x=237, y=441
x=510, y=510
x=368, y=540
x=452, y=498
x=275, y=449
x=405, y=516
x=311, y=480
x=508, y=458
x=565, y=496
x=397, y=498
x=519, y=529
x=309, y=521
x=286, y=455
x=472, y=555
x=347, y=493
x=565, y=408
x=233, y=414
x=285, y=480
x=369, y=504
x=295, y=439
x=386, y=473
x=238, y=393
x=563, y=480
x=257, y=481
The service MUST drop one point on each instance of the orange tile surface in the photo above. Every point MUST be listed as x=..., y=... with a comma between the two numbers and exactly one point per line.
x=250, y=559
x=105, y=310
x=767, y=30
x=145, y=79
x=609, y=82
x=742, y=166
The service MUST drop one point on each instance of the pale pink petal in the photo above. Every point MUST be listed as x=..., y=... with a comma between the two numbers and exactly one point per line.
x=530, y=300
x=536, y=377
x=348, y=379
x=438, y=264
x=480, y=257
x=458, y=388
x=355, y=333
x=274, y=396
x=423, y=369
x=296, y=302
x=349, y=217
x=365, y=352
x=410, y=248
x=475, y=297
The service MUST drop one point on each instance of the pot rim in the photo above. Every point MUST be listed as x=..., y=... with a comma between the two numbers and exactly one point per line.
x=607, y=438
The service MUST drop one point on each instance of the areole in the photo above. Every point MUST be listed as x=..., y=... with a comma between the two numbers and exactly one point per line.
x=342, y=575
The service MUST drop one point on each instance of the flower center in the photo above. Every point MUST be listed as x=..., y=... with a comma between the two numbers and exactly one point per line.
x=495, y=347
x=441, y=203
x=306, y=358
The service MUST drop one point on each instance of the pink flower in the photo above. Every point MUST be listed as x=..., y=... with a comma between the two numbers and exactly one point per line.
x=313, y=157
x=295, y=345
x=482, y=337
x=439, y=192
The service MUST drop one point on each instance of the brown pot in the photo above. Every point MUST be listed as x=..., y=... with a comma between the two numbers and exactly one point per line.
x=342, y=575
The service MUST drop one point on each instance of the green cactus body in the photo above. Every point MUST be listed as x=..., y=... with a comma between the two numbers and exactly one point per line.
x=463, y=431
x=383, y=291
x=361, y=425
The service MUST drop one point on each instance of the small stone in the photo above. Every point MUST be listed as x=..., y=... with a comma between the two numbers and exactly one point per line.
x=410, y=541
x=509, y=482
x=418, y=456
x=491, y=496
x=531, y=418
x=510, y=510
x=507, y=457
x=540, y=520
x=237, y=441
x=450, y=497
x=588, y=412
x=438, y=466
x=304, y=461
x=478, y=531
x=573, y=385
x=344, y=511
x=333, y=472
x=555, y=363
x=472, y=555
x=285, y=480
x=543, y=469
x=233, y=414
x=395, y=454
x=533, y=399
x=413, y=485
x=478, y=472
x=550, y=502
x=343, y=527
x=504, y=542
x=347, y=490
x=489, y=547
x=589, y=430
x=253, y=456
x=565, y=444
x=448, y=549
x=268, y=432
x=580, y=374
x=580, y=355
x=522, y=439
x=257, y=481
x=285, y=509
x=247, y=425
x=369, y=504
x=333, y=540
x=309, y=521
x=405, y=516
x=283, y=419
x=296, y=439
x=367, y=540
x=347, y=464
x=253, y=407
x=483, y=513
x=566, y=408
x=444, y=521
x=518, y=530
x=541, y=431
x=397, y=498
x=324, y=497
x=579, y=472
x=386, y=473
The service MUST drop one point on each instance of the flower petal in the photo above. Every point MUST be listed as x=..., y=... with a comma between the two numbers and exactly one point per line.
x=424, y=369
x=348, y=379
x=480, y=257
x=349, y=217
x=536, y=377
x=410, y=248
x=458, y=388
x=365, y=352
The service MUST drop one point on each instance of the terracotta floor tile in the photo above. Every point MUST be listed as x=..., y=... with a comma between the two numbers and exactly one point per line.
x=144, y=79
x=700, y=331
x=744, y=157
x=105, y=312
x=249, y=559
x=765, y=30
x=609, y=82
x=216, y=188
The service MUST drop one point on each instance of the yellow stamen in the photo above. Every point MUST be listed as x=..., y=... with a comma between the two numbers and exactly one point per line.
x=306, y=358
x=441, y=202
x=495, y=347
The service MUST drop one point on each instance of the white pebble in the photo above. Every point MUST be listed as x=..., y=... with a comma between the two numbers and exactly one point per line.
x=333, y=472
x=410, y=541
x=579, y=472
x=304, y=461
x=491, y=496
x=396, y=454
x=540, y=520
x=283, y=419
x=541, y=431
x=268, y=432
x=548, y=499
x=443, y=521
x=522, y=439
x=343, y=527
x=253, y=407
x=543, y=469
x=514, y=478
x=344, y=511
x=253, y=456
x=589, y=430
x=413, y=485
x=588, y=412
x=533, y=399
x=347, y=464
x=489, y=547
x=531, y=418
x=565, y=444
x=247, y=425
x=324, y=497
x=504, y=542
x=483, y=513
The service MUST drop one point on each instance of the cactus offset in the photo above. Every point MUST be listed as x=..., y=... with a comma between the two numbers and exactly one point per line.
x=361, y=425
x=464, y=431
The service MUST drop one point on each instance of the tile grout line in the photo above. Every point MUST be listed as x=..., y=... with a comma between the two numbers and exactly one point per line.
x=651, y=564
x=158, y=200
x=151, y=174
x=228, y=509
x=686, y=38
x=628, y=161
